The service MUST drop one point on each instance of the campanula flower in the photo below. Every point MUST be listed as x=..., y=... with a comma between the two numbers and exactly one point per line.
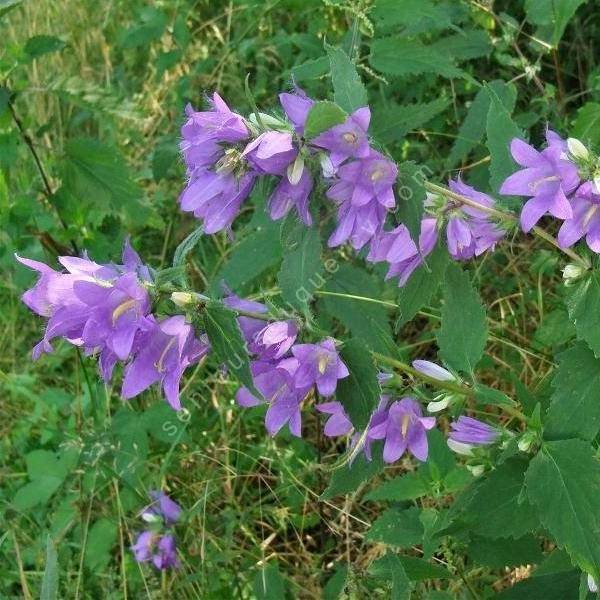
x=274, y=340
x=547, y=178
x=432, y=370
x=286, y=196
x=296, y=107
x=338, y=422
x=468, y=432
x=320, y=365
x=585, y=221
x=271, y=152
x=164, y=350
x=404, y=429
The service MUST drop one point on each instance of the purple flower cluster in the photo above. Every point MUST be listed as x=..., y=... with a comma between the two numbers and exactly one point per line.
x=284, y=372
x=105, y=309
x=157, y=544
x=561, y=180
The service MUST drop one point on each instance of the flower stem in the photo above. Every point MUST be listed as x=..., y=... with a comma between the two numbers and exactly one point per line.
x=438, y=189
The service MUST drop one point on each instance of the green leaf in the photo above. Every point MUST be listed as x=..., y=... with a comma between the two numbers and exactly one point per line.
x=419, y=569
x=472, y=130
x=166, y=154
x=7, y=5
x=38, y=45
x=463, y=332
x=555, y=586
x=587, y=124
x=360, y=391
x=487, y=395
x=411, y=196
x=227, y=341
x=348, y=478
x=390, y=569
x=424, y=14
x=311, y=69
x=563, y=482
x=301, y=269
x=575, y=409
x=422, y=284
x=150, y=27
x=322, y=116
x=500, y=553
x=401, y=56
x=49, y=589
x=258, y=250
x=498, y=508
x=552, y=17
x=582, y=302
x=101, y=538
x=396, y=527
x=268, y=583
x=466, y=45
x=336, y=584
x=402, y=487
x=349, y=92
x=365, y=318
x=392, y=123
x=95, y=170
x=186, y=246
x=500, y=130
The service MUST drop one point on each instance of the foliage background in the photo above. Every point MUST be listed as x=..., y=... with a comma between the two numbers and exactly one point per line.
x=100, y=89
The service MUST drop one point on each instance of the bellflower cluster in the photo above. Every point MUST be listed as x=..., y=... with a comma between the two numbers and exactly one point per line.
x=284, y=372
x=157, y=544
x=105, y=309
x=562, y=180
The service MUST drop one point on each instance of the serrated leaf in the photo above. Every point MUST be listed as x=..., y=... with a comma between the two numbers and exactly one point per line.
x=575, y=408
x=424, y=14
x=349, y=92
x=348, y=478
x=563, y=482
x=552, y=17
x=402, y=487
x=365, y=319
x=390, y=568
x=49, y=589
x=396, y=527
x=301, y=269
x=419, y=569
x=465, y=45
x=359, y=392
x=227, y=341
x=422, y=285
x=500, y=553
x=336, y=584
x=472, y=130
x=582, y=302
x=392, y=123
x=411, y=196
x=587, y=124
x=498, y=508
x=311, y=69
x=95, y=170
x=101, y=538
x=500, y=130
x=186, y=246
x=322, y=116
x=268, y=583
x=463, y=332
x=401, y=56
x=38, y=45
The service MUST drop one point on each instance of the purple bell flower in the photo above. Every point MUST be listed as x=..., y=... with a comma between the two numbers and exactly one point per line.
x=163, y=352
x=470, y=232
x=358, y=225
x=432, y=370
x=271, y=152
x=397, y=248
x=585, y=221
x=347, y=140
x=320, y=365
x=405, y=428
x=160, y=549
x=274, y=340
x=216, y=197
x=287, y=195
x=296, y=107
x=249, y=326
x=162, y=508
x=468, y=432
x=338, y=422
x=547, y=178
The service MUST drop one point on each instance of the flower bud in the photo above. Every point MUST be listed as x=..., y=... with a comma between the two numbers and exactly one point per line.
x=526, y=440
x=572, y=272
x=438, y=405
x=151, y=517
x=326, y=166
x=460, y=448
x=295, y=170
x=577, y=149
x=476, y=470
x=182, y=299
x=597, y=183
